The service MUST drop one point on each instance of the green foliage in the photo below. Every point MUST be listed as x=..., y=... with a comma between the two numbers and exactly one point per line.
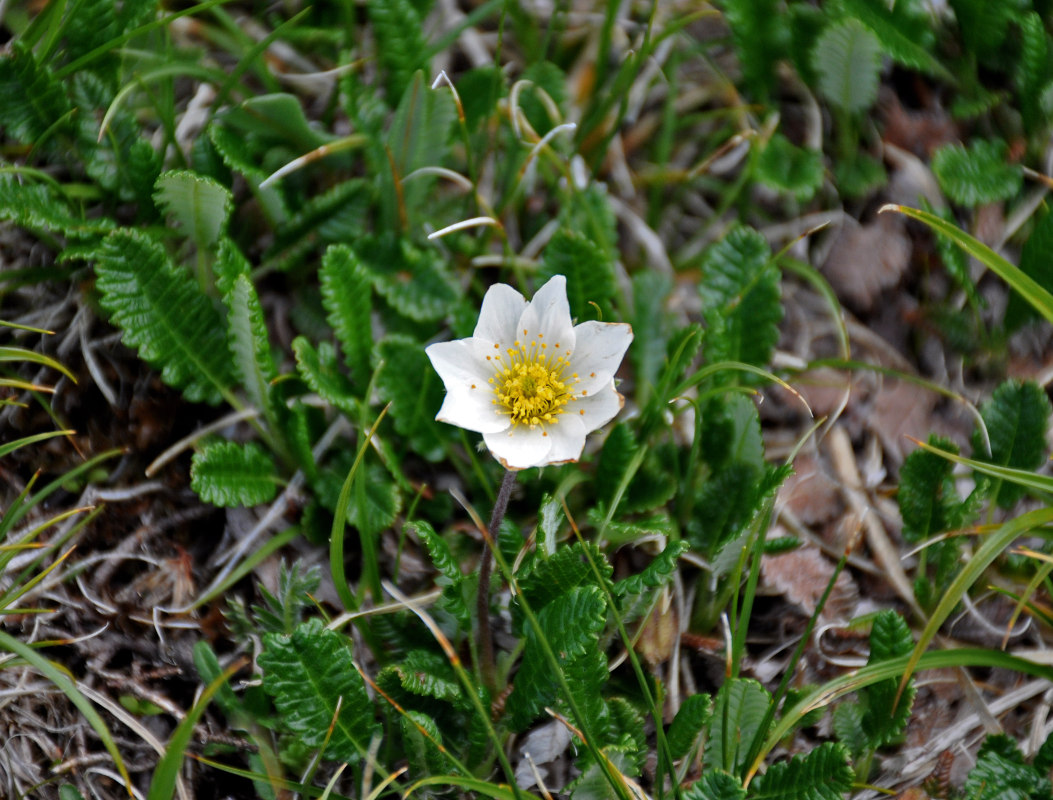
x=1000, y=772
x=716, y=784
x=904, y=30
x=198, y=204
x=346, y=296
x=32, y=99
x=249, y=345
x=232, y=474
x=847, y=61
x=41, y=207
x=787, y=168
x=738, y=713
x=309, y=673
x=758, y=39
x=821, y=774
x=928, y=502
x=688, y=724
x=881, y=714
x=320, y=370
x=983, y=25
x=400, y=48
x=164, y=315
x=407, y=381
x=280, y=612
x=1036, y=263
x=1017, y=419
x=740, y=298
x=589, y=272
x=977, y=174
x=413, y=280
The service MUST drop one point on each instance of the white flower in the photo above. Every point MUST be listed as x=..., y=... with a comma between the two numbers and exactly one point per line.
x=529, y=380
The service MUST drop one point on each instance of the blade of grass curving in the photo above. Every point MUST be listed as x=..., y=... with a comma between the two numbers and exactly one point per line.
x=58, y=676
x=21, y=354
x=10, y=447
x=824, y=695
x=180, y=70
x=484, y=788
x=1024, y=284
x=336, y=538
x=1040, y=483
x=1023, y=600
x=162, y=784
x=995, y=545
x=275, y=783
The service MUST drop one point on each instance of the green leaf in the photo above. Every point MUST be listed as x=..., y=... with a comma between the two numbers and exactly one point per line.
x=407, y=380
x=652, y=327
x=378, y=504
x=903, y=30
x=249, y=345
x=571, y=624
x=425, y=674
x=885, y=715
x=41, y=207
x=821, y=774
x=715, y=784
x=397, y=28
x=310, y=672
x=1017, y=419
x=983, y=25
x=31, y=97
x=1036, y=261
x=420, y=129
x=164, y=315
x=738, y=713
x=415, y=281
x=589, y=272
x=655, y=575
x=740, y=298
x=757, y=36
x=688, y=724
x=231, y=474
x=787, y=168
x=346, y=295
x=847, y=59
x=997, y=777
x=320, y=371
x=566, y=570
x=276, y=119
x=198, y=204
x=619, y=449
x=978, y=174
x=926, y=495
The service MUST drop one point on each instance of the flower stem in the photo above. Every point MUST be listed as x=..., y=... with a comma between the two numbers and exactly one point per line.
x=486, y=641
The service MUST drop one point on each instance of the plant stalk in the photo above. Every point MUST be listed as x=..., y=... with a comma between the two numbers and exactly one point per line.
x=486, y=640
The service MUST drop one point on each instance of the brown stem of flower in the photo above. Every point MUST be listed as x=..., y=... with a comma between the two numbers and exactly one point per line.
x=482, y=606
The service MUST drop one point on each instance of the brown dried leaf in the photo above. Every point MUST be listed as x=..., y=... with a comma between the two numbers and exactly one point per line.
x=867, y=259
x=809, y=493
x=659, y=633
x=901, y=409
x=802, y=575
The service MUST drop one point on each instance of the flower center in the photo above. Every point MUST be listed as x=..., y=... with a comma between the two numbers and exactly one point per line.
x=530, y=384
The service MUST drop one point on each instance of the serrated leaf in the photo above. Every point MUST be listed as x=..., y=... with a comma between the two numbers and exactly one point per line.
x=655, y=575
x=619, y=449
x=407, y=381
x=787, y=168
x=925, y=496
x=249, y=345
x=848, y=726
x=738, y=713
x=904, y=34
x=983, y=25
x=428, y=674
x=821, y=774
x=198, y=204
x=374, y=506
x=277, y=119
x=164, y=315
x=346, y=295
x=308, y=673
x=550, y=517
x=651, y=329
x=41, y=207
x=715, y=784
x=690, y=720
x=589, y=272
x=397, y=28
x=571, y=624
x=977, y=174
x=438, y=550
x=886, y=711
x=414, y=281
x=740, y=298
x=1017, y=419
x=757, y=36
x=996, y=777
x=847, y=59
x=31, y=97
x=420, y=129
x=230, y=474
x=566, y=570
x=320, y=371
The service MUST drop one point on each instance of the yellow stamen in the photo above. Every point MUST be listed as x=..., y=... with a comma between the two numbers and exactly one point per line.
x=532, y=387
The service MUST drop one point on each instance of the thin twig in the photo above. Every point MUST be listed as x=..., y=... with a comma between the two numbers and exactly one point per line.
x=486, y=640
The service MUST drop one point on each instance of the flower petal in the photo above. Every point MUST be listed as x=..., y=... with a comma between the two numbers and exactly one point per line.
x=498, y=317
x=546, y=320
x=598, y=352
x=595, y=409
x=568, y=439
x=520, y=447
x=469, y=398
